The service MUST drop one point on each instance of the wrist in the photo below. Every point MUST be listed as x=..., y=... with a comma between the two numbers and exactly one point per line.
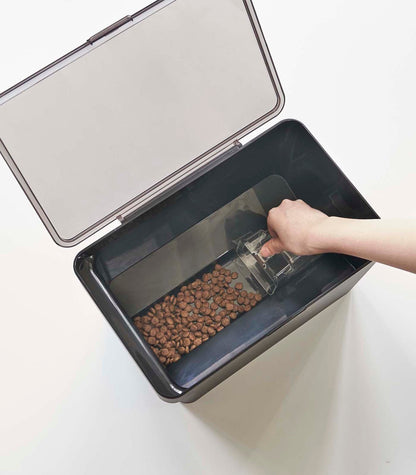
x=321, y=235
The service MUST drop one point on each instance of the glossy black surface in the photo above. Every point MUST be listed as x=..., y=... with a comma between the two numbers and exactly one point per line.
x=287, y=150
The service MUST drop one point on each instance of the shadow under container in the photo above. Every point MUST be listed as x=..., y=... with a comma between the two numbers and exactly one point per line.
x=133, y=267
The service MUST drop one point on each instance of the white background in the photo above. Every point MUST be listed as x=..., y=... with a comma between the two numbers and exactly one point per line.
x=335, y=397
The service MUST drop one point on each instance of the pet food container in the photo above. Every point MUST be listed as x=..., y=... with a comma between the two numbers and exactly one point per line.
x=147, y=123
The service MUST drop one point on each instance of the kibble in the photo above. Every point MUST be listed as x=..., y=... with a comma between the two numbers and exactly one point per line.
x=180, y=323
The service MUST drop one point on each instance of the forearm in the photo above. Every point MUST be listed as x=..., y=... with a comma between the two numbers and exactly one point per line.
x=390, y=242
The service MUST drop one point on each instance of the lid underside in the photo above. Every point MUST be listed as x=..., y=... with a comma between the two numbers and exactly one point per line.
x=122, y=119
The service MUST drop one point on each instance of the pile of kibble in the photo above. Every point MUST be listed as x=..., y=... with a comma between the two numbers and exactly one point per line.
x=180, y=323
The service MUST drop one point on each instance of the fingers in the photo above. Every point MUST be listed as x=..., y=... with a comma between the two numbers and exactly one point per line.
x=272, y=247
x=272, y=222
x=272, y=233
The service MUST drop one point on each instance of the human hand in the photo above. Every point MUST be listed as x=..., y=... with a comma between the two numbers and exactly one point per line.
x=293, y=226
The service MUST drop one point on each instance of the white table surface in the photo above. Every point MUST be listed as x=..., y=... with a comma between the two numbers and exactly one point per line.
x=335, y=397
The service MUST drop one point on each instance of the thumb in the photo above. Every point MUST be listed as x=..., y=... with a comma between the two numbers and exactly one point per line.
x=272, y=247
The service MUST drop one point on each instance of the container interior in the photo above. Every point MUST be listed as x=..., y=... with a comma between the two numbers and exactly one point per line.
x=190, y=231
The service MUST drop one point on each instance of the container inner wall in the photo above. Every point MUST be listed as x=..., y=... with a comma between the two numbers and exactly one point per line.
x=139, y=262
x=198, y=247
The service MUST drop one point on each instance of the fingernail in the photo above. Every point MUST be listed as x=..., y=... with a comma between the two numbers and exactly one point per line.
x=264, y=252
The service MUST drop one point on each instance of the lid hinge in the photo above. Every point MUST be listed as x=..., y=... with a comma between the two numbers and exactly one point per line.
x=238, y=144
x=109, y=29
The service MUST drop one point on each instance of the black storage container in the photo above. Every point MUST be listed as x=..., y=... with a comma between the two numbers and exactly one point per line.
x=144, y=123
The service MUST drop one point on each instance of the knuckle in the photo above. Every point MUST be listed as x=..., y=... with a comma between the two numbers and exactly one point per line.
x=286, y=203
x=273, y=211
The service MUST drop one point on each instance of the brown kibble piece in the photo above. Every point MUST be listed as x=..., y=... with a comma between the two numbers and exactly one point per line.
x=239, y=286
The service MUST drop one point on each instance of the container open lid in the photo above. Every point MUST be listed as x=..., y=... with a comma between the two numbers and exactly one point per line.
x=135, y=110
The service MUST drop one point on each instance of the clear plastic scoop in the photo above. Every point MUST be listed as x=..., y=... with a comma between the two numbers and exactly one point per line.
x=268, y=271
